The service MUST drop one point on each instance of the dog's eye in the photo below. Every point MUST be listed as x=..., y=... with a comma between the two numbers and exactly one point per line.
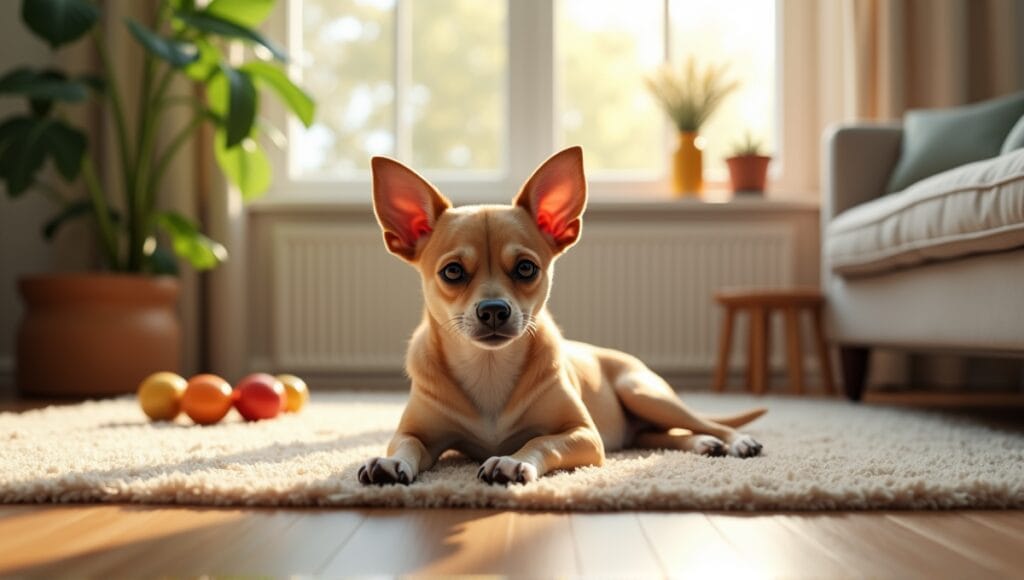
x=526, y=270
x=453, y=272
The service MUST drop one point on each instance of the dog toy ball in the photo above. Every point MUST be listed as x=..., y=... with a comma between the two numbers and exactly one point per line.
x=207, y=399
x=296, y=393
x=259, y=396
x=160, y=395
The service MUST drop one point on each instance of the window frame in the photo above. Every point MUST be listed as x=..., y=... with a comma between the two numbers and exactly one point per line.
x=530, y=112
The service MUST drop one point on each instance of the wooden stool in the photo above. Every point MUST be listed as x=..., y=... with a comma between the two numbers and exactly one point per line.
x=760, y=304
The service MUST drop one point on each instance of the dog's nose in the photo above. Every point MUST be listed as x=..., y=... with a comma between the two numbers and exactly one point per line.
x=493, y=313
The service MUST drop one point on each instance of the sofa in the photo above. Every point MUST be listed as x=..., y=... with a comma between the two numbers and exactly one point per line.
x=937, y=266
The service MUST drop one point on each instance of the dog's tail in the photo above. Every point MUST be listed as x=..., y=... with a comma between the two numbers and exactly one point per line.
x=740, y=419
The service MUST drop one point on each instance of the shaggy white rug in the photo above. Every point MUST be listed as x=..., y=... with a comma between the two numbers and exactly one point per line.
x=819, y=455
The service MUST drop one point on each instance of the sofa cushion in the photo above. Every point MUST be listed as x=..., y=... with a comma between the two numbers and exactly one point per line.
x=971, y=209
x=1015, y=140
x=935, y=140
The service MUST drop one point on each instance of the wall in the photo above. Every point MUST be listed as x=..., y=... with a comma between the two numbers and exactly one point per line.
x=22, y=248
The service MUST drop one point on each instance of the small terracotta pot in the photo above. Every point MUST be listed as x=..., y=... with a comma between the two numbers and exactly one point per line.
x=748, y=172
x=87, y=335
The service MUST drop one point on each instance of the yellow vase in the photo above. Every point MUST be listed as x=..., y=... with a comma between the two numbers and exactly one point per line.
x=687, y=166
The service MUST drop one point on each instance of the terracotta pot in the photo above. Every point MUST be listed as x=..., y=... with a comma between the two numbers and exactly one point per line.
x=87, y=335
x=687, y=166
x=748, y=172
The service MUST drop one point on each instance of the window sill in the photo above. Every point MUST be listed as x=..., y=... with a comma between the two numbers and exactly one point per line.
x=600, y=206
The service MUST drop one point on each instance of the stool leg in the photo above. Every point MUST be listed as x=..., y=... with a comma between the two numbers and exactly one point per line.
x=758, y=350
x=793, y=351
x=724, y=350
x=823, y=354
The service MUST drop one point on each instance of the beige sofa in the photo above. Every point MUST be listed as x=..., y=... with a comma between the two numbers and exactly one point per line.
x=938, y=266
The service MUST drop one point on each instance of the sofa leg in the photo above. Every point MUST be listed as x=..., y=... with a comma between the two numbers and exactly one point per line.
x=854, y=360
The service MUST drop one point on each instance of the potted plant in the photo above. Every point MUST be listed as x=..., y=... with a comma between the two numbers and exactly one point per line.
x=689, y=97
x=748, y=166
x=100, y=333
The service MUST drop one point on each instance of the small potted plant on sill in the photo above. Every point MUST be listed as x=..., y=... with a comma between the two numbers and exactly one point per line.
x=100, y=333
x=748, y=166
x=689, y=97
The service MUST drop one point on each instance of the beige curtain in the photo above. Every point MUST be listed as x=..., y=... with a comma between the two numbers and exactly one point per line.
x=893, y=55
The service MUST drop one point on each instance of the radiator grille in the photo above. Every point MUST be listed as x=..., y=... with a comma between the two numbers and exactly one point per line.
x=340, y=303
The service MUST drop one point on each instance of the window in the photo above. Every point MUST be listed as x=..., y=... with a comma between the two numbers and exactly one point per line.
x=475, y=93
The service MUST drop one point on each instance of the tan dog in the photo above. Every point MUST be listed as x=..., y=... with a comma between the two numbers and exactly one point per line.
x=492, y=376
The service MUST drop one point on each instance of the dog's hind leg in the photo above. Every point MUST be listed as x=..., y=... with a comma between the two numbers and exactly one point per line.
x=650, y=398
x=686, y=441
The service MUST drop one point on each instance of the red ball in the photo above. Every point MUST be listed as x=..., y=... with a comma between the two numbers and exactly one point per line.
x=259, y=396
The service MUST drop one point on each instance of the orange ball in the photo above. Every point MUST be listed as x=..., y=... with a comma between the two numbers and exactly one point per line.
x=207, y=399
x=160, y=395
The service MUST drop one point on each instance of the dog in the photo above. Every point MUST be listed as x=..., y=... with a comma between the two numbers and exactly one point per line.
x=492, y=376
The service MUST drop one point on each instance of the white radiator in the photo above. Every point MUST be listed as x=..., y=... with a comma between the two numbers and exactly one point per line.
x=341, y=303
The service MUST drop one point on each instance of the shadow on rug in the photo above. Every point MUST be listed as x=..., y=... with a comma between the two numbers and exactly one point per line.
x=819, y=455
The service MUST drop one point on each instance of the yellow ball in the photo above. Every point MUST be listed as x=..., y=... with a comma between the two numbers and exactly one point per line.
x=160, y=395
x=296, y=393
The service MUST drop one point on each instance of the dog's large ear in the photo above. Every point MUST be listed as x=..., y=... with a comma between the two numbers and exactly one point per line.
x=407, y=206
x=555, y=196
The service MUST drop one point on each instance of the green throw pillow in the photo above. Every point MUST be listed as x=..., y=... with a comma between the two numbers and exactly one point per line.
x=1015, y=140
x=935, y=140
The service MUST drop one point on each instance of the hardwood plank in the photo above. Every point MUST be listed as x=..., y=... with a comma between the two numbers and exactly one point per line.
x=34, y=536
x=106, y=539
x=869, y=545
x=613, y=544
x=403, y=542
x=541, y=545
x=175, y=539
x=776, y=549
x=254, y=531
x=688, y=546
x=1010, y=522
x=985, y=546
x=302, y=548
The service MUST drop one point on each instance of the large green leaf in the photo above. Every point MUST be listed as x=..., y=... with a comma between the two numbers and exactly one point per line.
x=46, y=85
x=26, y=142
x=66, y=146
x=188, y=243
x=246, y=166
x=241, y=105
x=76, y=209
x=161, y=262
x=250, y=13
x=297, y=100
x=176, y=52
x=212, y=24
x=73, y=210
x=59, y=21
x=206, y=64
x=23, y=155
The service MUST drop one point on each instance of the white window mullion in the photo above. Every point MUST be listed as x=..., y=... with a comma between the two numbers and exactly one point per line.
x=403, y=79
x=531, y=85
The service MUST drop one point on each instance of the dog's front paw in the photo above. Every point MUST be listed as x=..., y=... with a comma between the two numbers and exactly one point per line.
x=743, y=445
x=382, y=470
x=506, y=470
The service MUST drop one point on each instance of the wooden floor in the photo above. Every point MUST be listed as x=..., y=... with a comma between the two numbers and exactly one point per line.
x=134, y=541
x=119, y=541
